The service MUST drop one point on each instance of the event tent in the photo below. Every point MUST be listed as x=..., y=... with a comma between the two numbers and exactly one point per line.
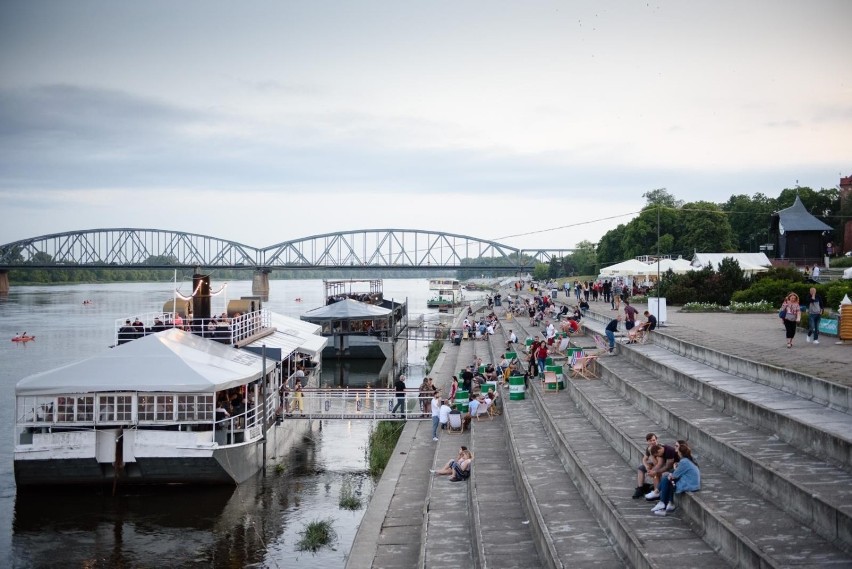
x=630, y=267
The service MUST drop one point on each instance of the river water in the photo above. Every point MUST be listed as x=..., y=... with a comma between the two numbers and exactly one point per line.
x=256, y=524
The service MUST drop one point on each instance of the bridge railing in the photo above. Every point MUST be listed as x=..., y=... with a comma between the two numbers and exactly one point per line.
x=361, y=403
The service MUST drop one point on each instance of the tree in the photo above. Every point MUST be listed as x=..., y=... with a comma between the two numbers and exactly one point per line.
x=610, y=248
x=661, y=197
x=541, y=271
x=750, y=218
x=584, y=258
x=706, y=228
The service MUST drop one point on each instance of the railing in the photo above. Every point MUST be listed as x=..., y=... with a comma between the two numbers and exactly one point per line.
x=370, y=404
x=230, y=330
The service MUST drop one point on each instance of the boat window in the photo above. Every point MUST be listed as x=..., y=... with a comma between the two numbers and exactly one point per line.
x=35, y=409
x=164, y=407
x=195, y=408
x=145, y=408
x=115, y=408
x=65, y=409
x=86, y=408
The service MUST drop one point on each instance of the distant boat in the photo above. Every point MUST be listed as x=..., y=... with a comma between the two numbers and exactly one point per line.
x=447, y=293
x=23, y=338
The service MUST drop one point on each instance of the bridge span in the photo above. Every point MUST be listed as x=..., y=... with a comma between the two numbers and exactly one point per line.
x=368, y=249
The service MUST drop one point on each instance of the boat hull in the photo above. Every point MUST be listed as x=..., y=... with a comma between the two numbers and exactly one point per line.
x=158, y=457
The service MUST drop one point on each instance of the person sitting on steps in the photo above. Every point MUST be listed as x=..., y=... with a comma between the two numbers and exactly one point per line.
x=643, y=487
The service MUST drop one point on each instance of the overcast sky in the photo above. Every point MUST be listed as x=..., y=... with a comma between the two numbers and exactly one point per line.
x=267, y=121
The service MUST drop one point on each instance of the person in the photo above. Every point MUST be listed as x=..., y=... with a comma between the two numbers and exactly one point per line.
x=444, y=414
x=284, y=400
x=790, y=316
x=454, y=388
x=436, y=414
x=126, y=333
x=221, y=414
x=399, y=386
x=550, y=333
x=815, y=306
x=467, y=379
x=472, y=408
x=664, y=458
x=541, y=357
x=513, y=339
x=611, y=329
x=815, y=273
x=643, y=487
x=423, y=396
x=643, y=327
x=686, y=477
x=629, y=316
x=459, y=467
x=297, y=396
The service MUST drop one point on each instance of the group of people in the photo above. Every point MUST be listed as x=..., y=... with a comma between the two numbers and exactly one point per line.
x=457, y=469
x=666, y=471
x=791, y=311
x=634, y=330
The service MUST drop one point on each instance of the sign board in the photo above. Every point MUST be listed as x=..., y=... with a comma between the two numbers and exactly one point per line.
x=657, y=307
x=828, y=326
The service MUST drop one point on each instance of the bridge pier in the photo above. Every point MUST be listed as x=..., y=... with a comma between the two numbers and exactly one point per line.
x=260, y=283
x=4, y=282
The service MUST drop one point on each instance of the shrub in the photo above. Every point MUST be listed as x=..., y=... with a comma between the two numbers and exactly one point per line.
x=752, y=307
x=841, y=262
x=382, y=442
x=348, y=499
x=316, y=535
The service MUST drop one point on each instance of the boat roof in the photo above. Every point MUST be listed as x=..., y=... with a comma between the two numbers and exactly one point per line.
x=292, y=335
x=346, y=309
x=168, y=361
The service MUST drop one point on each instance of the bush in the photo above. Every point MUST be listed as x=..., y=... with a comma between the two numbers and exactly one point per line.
x=316, y=535
x=834, y=291
x=705, y=285
x=773, y=291
x=841, y=262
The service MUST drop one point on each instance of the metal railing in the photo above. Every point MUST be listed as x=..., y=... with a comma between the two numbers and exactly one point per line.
x=226, y=330
x=346, y=403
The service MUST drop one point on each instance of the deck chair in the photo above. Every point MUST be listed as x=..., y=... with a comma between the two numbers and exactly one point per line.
x=563, y=345
x=483, y=410
x=584, y=366
x=466, y=335
x=601, y=345
x=455, y=425
x=550, y=383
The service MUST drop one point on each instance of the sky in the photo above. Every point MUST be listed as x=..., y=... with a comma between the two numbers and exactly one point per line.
x=537, y=124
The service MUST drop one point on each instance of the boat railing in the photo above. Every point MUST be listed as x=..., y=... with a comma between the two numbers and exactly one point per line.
x=228, y=330
x=361, y=403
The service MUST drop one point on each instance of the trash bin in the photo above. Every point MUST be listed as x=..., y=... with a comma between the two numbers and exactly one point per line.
x=516, y=388
x=554, y=293
x=462, y=399
x=457, y=341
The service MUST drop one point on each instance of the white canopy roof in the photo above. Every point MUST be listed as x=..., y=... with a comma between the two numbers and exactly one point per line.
x=293, y=335
x=346, y=309
x=628, y=268
x=169, y=361
x=677, y=266
x=749, y=262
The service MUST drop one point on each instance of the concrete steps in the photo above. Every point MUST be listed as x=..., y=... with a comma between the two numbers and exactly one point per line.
x=813, y=491
x=746, y=529
x=501, y=529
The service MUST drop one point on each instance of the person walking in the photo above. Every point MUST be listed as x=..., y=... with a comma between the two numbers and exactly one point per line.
x=815, y=306
x=399, y=385
x=436, y=414
x=790, y=316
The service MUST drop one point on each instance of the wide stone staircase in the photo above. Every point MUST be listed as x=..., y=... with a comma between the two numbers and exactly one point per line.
x=773, y=447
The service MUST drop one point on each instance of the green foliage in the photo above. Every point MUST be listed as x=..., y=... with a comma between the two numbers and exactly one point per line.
x=704, y=286
x=434, y=351
x=772, y=290
x=316, y=535
x=348, y=499
x=541, y=272
x=841, y=262
x=834, y=291
x=381, y=445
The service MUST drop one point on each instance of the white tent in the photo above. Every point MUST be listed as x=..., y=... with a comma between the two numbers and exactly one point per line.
x=630, y=267
x=169, y=361
x=749, y=262
x=847, y=273
x=677, y=266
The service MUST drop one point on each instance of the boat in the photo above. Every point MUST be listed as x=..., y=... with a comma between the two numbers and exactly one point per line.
x=23, y=338
x=360, y=322
x=446, y=294
x=153, y=408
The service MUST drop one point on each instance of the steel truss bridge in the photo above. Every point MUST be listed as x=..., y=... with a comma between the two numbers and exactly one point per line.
x=360, y=249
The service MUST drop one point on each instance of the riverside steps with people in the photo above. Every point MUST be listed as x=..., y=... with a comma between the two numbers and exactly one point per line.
x=553, y=476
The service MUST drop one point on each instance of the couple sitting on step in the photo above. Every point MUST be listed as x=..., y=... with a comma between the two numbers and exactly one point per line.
x=672, y=470
x=459, y=467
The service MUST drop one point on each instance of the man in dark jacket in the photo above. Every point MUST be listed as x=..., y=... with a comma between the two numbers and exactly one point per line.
x=815, y=305
x=399, y=385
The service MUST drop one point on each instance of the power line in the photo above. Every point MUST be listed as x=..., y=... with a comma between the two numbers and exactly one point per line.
x=566, y=226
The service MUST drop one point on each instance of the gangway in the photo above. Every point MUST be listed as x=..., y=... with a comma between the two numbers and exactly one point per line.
x=354, y=403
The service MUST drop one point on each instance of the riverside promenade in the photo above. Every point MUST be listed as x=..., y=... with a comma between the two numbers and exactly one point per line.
x=553, y=476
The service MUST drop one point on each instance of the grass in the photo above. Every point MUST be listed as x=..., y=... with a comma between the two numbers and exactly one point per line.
x=317, y=535
x=348, y=500
x=434, y=351
x=380, y=447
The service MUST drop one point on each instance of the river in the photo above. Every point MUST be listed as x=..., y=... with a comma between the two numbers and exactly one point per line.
x=256, y=524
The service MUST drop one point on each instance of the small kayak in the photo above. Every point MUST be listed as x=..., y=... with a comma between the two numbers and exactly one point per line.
x=23, y=338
